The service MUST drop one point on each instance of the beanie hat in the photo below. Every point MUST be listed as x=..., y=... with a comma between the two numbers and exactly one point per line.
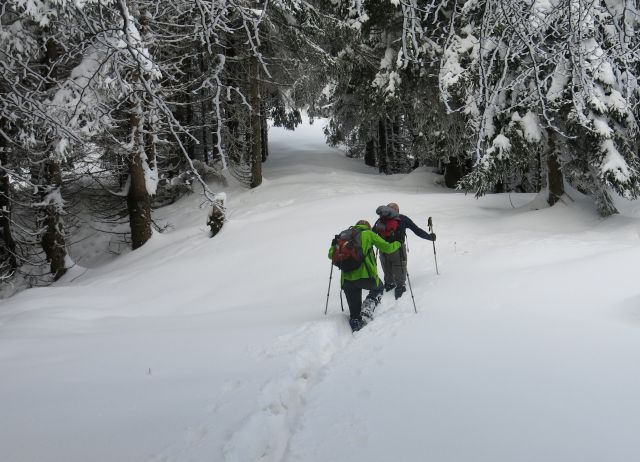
x=385, y=212
x=394, y=206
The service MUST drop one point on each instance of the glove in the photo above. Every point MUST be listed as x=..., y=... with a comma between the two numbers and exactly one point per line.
x=433, y=237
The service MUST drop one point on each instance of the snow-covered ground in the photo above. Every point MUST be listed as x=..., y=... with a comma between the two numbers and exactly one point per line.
x=526, y=347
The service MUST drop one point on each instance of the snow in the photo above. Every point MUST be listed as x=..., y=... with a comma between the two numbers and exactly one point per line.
x=524, y=348
x=500, y=148
x=53, y=198
x=540, y=9
x=618, y=105
x=605, y=74
x=559, y=80
x=597, y=100
x=61, y=147
x=328, y=90
x=150, y=174
x=387, y=60
x=601, y=127
x=451, y=70
x=614, y=162
x=134, y=44
x=531, y=127
x=357, y=14
x=387, y=79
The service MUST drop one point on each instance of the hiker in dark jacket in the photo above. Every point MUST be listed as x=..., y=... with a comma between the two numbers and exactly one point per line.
x=392, y=226
x=365, y=276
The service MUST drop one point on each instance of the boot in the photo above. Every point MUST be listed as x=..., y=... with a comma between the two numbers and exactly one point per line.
x=389, y=286
x=371, y=302
x=368, y=307
x=399, y=291
x=356, y=324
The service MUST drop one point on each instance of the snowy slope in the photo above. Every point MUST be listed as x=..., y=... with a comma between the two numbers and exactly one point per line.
x=525, y=348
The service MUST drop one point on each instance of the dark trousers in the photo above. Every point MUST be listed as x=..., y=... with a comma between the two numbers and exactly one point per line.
x=394, y=266
x=353, y=293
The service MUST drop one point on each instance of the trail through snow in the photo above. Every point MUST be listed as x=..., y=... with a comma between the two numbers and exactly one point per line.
x=525, y=348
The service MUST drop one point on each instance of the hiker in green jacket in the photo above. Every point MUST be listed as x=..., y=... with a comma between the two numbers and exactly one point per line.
x=365, y=276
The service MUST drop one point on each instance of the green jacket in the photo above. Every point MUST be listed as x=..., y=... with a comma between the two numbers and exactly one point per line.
x=369, y=269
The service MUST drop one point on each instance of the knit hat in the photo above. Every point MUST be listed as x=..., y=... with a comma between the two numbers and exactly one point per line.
x=394, y=206
x=385, y=212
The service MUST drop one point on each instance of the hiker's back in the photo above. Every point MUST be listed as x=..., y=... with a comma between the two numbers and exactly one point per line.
x=389, y=225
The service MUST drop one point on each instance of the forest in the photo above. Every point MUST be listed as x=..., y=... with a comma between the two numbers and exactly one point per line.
x=112, y=109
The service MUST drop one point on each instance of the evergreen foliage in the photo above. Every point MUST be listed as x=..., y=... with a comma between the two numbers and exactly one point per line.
x=133, y=102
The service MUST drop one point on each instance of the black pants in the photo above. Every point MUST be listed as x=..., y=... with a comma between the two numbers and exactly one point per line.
x=353, y=293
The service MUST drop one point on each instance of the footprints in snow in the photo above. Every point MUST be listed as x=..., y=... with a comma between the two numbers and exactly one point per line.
x=264, y=435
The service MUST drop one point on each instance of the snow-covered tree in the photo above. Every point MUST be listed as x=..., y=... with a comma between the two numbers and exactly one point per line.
x=364, y=97
x=385, y=104
x=34, y=137
x=548, y=78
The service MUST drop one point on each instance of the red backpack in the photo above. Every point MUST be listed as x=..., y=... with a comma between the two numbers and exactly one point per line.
x=347, y=250
x=387, y=228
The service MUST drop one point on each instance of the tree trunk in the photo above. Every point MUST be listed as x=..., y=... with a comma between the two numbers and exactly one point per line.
x=390, y=146
x=121, y=165
x=204, y=108
x=138, y=200
x=138, y=196
x=205, y=131
x=397, y=161
x=215, y=149
x=5, y=208
x=539, y=172
x=49, y=187
x=181, y=113
x=265, y=132
x=191, y=144
x=370, y=153
x=383, y=159
x=554, y=174
x=150, y=146
x=256, y=125
x=52, y=239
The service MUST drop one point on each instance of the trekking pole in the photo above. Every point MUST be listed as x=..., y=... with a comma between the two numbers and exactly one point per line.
x=406, y=247
x=430, y=224
x=329, y=290
x=411, y=290
x=341, y=304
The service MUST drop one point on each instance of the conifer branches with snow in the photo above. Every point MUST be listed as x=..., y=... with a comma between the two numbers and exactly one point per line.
x=545, y=88
x=525, y=71
x=151, y=96
x=146, y=98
